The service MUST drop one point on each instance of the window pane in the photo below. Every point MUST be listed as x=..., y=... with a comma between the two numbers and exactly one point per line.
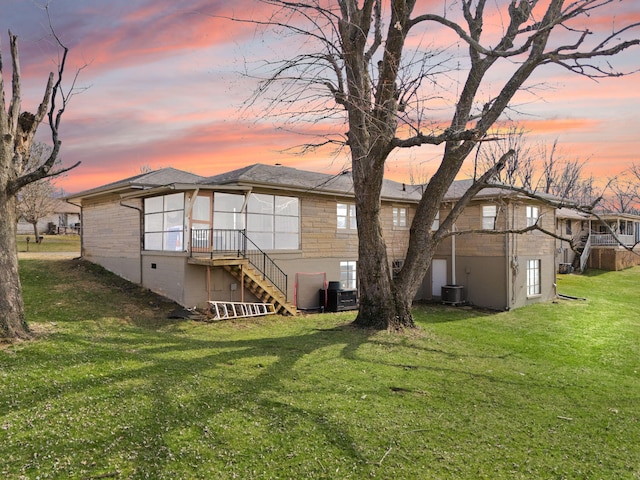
x=153, y=205
x=153, y=241
x=287, y=224
x=264, y=241
x=227, y=202
x=175, y=201
x=201, y=209
x=260, y=203
x=287, y=206
x=436, y=222
x=228, y=221
x=173, y=238
x=348, y=274
x=153, y=222
x=287, y=241
x=489, y=217
x=533, y=277
x=353, y=224
x=489, y=211
x=173, y=220
x=259, y=223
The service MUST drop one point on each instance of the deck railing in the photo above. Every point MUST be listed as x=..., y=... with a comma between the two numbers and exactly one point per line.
x=214, y=242
x=609, y=240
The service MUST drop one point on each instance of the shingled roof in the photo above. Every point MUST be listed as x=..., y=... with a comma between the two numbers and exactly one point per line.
x=156, y=178
x=289, y=178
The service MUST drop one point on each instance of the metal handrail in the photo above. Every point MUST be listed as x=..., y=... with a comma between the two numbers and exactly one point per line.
x=236, y=242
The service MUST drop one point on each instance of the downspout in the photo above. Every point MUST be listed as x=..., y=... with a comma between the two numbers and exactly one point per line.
x=453, y=256
x=507, y=248
x=81, y=231
x=140, y=224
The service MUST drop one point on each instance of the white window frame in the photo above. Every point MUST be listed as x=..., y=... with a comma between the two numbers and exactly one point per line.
x=399, y=217
x=349, y=274
x=489, y=215
x=273, y=221
x=436, y=222
x=534, y=277
x=346, y=216
x=533, y=213
x=169, y=216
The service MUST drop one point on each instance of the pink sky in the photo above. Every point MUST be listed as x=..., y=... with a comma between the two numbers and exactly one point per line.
x=163, y=90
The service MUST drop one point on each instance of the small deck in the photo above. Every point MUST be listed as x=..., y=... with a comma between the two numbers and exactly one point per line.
x=217, y=261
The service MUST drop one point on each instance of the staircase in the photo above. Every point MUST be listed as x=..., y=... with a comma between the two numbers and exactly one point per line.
x=256, y=283
x=582, y=249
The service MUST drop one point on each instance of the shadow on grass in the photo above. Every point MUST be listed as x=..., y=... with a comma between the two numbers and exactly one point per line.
x=132, y=395
x=129, y=392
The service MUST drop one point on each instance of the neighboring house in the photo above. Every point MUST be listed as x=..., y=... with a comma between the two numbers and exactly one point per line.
x=574, y=226
x=279, y=234
x=64, y=219
x=601, y=241
x=499, y=271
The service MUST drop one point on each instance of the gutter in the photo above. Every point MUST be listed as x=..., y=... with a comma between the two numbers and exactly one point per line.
x=81, y=223
x=140, y=229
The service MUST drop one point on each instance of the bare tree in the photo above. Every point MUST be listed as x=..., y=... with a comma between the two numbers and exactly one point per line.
x=520, y=169
x=354, y=59
x=36, y=200
x=538, y=168
x=17, y=130
x=622, y=193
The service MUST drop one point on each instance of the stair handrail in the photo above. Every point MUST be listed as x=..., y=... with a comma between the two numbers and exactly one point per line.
x=236, y=242
x=264, y=264
x=584, y=256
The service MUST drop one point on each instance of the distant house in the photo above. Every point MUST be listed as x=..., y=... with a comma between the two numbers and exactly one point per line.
x=65, y=218
x=606, y=241
x=279, y=234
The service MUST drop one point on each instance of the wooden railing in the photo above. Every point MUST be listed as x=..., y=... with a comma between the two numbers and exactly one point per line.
x=215, y=242
x=609, y=240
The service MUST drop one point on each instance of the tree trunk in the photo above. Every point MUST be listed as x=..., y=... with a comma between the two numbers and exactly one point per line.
x=13, y=324
x=35, y=231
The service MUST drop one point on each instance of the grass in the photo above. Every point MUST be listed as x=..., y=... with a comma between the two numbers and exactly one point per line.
x=114, y=389
x=50, y=243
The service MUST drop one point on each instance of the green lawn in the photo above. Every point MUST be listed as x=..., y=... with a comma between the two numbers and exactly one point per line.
x=50, y=243
x=114, y=389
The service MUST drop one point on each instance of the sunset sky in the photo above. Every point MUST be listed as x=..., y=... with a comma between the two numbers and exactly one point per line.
x=162, y=87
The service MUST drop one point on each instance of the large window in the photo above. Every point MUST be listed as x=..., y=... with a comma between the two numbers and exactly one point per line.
x=348, y=276
x=273, y=221
x=532, y=215
x=489, y=213
x=164, y=222
x=346, y=216
x=399, y=217
x=533, y=278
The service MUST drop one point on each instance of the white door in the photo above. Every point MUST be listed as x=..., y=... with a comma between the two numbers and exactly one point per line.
x=438, y=276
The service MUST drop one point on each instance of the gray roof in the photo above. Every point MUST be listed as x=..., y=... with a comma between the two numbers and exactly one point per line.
x=292, y=179
x=459, y=187
x=156, y=178
x=283, y=178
